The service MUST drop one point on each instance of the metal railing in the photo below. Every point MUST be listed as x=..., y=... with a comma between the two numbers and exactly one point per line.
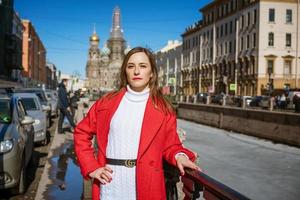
x=197, y=185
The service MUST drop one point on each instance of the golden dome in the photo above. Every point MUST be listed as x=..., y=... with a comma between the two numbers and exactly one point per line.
x=94, y=37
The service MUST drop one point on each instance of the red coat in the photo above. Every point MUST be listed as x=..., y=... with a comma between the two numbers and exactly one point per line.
x=158, y=141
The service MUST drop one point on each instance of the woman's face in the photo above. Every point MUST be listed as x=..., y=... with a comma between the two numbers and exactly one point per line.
x=138, y=71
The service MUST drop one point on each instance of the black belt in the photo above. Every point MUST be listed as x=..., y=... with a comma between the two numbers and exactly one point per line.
x=127, y=163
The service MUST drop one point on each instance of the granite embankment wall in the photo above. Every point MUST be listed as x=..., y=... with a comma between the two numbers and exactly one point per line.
x=279, y=127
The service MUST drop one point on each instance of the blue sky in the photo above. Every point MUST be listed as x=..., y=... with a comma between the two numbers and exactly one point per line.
x=64, y=26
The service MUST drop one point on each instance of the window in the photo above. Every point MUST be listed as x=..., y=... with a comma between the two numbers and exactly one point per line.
x=249, y=17
x=211, y=35
x=242, y=23
x=287, y=67
x=288, y=40
x=217, y=32
x=248, y=41
x=242, y=43
x=30, y=104
x=230, y=47
x=227, y=9
x=271, y=15
x=221, y=30
x=254, y=40
x=255, y=17
x=221, y=49
x=226, y=29
x=230, y=27
x=270, y=68
x=5, y=110
x=225, y=47
x=271, y=39
x=289, y=16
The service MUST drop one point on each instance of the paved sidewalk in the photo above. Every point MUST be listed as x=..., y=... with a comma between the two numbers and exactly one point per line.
x=58, y=143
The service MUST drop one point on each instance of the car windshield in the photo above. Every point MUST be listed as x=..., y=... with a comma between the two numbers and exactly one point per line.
x=5, y=111
x=30, y=104
x=41, y=96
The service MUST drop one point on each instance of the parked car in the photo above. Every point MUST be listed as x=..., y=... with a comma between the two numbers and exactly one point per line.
x=202, y=97
x=255, y=101
x=264, y=102
x=53, y=101
x=16, y=143
x=36, y=110
x=218, y=99
x=239, y=100
x=42, y=97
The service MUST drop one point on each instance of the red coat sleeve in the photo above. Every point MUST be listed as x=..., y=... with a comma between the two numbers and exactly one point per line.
x=83, y=136
x=172, y=142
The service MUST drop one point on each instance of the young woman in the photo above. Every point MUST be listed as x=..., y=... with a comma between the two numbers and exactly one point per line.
x=135, y=130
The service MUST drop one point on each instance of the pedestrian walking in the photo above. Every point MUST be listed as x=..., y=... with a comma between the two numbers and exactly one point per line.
x=73, y=103
x=63, y=106
x=135, y=129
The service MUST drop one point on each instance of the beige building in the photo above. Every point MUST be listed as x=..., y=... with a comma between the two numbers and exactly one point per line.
x=243, y=47
x=168, y=61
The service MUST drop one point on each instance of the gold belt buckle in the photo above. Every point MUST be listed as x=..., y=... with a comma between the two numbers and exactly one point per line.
x=129, y=163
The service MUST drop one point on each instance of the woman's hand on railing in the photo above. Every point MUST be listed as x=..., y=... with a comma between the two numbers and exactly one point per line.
x=103, y=174
x=183, y=161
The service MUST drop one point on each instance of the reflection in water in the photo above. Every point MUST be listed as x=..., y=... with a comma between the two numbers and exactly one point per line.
x=62, y=165
x=65, y=175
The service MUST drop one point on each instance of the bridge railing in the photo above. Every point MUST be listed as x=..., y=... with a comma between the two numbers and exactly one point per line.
x=196, y=184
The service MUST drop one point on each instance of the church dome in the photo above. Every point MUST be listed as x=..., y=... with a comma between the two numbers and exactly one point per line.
x=94, y=37
x=105, y=51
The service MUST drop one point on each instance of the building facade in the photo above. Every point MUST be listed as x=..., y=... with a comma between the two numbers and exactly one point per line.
x=52, y=80
x=103, y=66
x=10, y=43
x=168, y=62
x=247, y=47
x=34, y=57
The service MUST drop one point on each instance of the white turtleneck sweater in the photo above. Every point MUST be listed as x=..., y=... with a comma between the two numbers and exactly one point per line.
x=123, y=143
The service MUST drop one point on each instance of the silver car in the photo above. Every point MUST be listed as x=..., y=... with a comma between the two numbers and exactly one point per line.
x=16, y=143
x=36, y=110
x=53, y=101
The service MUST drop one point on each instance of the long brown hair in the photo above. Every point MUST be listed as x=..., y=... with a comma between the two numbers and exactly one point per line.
x=155, y=93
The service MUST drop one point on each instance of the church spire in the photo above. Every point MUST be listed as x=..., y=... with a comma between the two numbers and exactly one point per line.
x=116, y=31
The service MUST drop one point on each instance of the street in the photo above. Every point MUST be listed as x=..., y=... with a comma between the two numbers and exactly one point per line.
x=257, y=168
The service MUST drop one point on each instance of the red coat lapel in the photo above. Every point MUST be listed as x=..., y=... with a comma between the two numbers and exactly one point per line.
x=105, y=120
x=152, y=121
